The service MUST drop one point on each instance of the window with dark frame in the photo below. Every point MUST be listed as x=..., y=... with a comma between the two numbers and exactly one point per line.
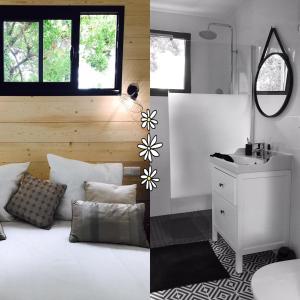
x=61, y=50
x=170, y=62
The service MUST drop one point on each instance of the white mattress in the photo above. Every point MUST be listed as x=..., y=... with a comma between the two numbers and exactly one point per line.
x=37, y=264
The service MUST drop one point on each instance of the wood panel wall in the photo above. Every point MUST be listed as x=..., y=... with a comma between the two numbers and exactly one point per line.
x=93, y=129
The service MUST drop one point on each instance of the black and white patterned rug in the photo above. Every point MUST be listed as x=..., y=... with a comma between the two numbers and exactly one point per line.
x=237, y=287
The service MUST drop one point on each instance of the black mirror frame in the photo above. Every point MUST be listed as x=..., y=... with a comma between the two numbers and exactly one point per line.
x=290, y=78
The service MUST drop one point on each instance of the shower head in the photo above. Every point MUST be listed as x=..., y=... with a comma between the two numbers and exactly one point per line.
x=208, y=34
x=211, y=35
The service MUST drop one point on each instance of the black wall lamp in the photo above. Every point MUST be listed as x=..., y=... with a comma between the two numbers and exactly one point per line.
x=130, y=99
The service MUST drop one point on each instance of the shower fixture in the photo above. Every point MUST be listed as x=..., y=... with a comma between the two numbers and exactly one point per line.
x=211, y=35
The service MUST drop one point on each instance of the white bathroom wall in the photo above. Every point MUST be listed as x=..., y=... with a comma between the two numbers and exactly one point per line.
x=160, y=197
x=202, y=124
x=253, y=21
x=209, y=71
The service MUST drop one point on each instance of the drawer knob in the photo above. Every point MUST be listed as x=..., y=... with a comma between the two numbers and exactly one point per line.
x=222, y=212
x=221, y=185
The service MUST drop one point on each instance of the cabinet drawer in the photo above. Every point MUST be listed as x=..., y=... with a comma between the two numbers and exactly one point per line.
x=225, y=219
x=223, y=184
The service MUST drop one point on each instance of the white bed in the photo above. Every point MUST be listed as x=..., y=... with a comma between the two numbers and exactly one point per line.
x=37, y=264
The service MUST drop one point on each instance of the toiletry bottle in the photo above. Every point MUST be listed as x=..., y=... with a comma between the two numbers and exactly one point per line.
x=268, y=152
x=248, y=148
x=258, y=153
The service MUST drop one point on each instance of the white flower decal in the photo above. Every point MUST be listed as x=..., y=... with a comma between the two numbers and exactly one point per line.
x=149, y=178
x=148, y=119
x=148, y=147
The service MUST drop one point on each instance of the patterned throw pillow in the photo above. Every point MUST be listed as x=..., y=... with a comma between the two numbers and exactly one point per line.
x=108, y=223
x=2, y=234
x=36, y=201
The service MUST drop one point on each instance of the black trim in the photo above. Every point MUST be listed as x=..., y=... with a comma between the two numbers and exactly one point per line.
x=41, y=50
x=1, y=53
x=290, y=77
x=187, y=73
x=40, y=13
x=272, y=31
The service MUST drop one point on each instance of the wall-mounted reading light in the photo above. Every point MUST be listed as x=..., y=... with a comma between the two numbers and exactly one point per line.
x=130, y=99
x=133, y=91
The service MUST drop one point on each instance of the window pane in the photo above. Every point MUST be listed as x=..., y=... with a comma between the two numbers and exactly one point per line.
x=97, y=51
x=56, y=53
x=167, y=63
x=21, y=51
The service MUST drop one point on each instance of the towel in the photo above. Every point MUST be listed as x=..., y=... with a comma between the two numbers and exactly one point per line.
x=223, y=156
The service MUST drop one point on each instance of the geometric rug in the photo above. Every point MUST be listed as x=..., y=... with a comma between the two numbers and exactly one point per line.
x=237, y=287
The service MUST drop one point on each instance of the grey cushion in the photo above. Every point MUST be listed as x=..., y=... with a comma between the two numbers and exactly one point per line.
x=110, y=193
x=2, y=234
x=108, y=223
x=36, y=201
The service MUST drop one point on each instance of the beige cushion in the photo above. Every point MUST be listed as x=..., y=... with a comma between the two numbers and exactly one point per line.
x=108, y=223
x=110, y=193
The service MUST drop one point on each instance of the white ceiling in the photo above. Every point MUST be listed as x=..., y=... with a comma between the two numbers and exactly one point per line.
x=207, y=8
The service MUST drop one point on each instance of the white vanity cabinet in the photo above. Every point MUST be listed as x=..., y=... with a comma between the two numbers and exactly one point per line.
x=251, y=210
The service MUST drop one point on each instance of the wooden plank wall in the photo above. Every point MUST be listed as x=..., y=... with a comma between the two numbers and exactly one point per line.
x=93, y=129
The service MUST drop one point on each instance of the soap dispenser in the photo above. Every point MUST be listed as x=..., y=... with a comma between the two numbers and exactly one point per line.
x=248, y=148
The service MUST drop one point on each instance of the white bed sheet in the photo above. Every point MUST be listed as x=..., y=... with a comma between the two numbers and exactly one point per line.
x=37, y=264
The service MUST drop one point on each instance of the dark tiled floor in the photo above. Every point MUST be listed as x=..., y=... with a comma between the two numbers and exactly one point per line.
x=180, y=228
x=237, y=287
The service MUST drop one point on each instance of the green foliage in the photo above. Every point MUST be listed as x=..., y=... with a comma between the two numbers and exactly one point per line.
x=20, y=51
x=97, y=39
x=57, y=45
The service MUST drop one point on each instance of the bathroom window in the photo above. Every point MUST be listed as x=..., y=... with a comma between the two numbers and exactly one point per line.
x=61, y=50
x=170, y=62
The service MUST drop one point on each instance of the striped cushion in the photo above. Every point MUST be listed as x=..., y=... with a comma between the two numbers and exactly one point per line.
x=2, y=234
x=108, y=223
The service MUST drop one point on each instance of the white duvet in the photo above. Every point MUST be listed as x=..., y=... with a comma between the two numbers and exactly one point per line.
x=37, y=264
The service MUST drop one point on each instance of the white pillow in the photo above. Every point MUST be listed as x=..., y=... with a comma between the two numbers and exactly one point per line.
x=10, y=176
x=110, y=193
x=74, y=173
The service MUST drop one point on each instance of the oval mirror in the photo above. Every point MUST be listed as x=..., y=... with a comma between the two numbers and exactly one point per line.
x=273, y=84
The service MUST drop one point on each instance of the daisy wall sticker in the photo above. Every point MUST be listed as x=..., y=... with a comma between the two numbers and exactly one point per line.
x=148, y=120
x=149, y=178
x=149, y=149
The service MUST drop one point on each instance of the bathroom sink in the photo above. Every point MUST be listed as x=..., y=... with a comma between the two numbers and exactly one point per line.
x=246, y=160
x=250, y=164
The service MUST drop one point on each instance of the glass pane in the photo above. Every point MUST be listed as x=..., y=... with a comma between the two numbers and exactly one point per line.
x=167, y=54
x=97, y=51
x=272, y=76
x=57, y=46
x=21, y=51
